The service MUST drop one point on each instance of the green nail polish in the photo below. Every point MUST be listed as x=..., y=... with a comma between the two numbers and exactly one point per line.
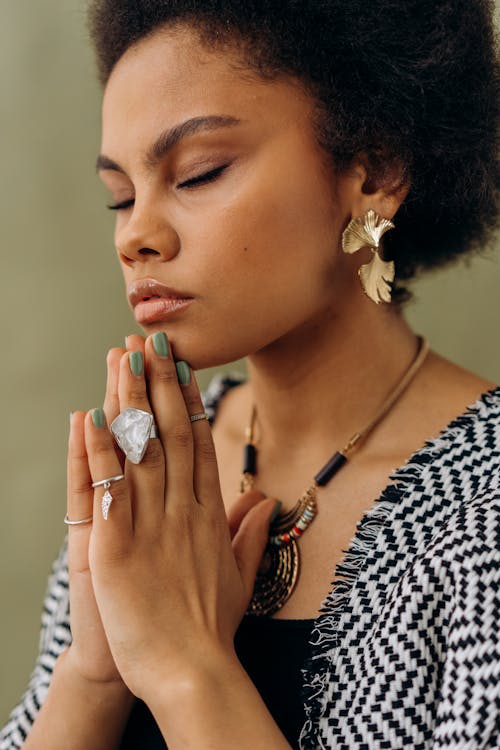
x=98, y=417
x=136, y=362
x=160, y=344
x=183, y=372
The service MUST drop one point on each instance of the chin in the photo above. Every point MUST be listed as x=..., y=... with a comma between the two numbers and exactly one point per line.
x=202, y=352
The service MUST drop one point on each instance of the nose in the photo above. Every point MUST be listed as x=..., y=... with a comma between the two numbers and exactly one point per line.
x=146, y=234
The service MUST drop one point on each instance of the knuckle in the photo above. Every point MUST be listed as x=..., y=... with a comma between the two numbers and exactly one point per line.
x=206, y=450
x=103, y=450
x=77, y=456
x=77, y=490
x=181, y=435
x=136, y=389
x=154, y=455
x=164, y=372
x=193, y=402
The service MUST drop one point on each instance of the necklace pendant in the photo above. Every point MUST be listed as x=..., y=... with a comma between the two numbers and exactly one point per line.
x=276, y=578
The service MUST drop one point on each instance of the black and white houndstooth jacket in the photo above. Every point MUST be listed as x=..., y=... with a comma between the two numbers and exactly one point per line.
x=405, y=650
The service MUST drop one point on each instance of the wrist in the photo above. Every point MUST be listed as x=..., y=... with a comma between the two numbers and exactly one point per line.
x=205, y=672
x=213, y=703
x=66, y=669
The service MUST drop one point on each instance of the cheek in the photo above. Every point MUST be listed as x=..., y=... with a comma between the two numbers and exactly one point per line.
x=275, y=246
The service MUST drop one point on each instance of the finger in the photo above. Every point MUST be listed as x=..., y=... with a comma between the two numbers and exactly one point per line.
x=172, y=419
x=147, y=478
x=134, y=342
x=80, y=494
x=205, y=470
x=241, y=507
x=113, y=533
x=251, y=539
x=111, y=401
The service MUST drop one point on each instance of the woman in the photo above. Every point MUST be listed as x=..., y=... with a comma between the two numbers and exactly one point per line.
x=255, y=157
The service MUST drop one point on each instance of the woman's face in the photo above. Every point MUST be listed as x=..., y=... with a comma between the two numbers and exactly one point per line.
x=256, y=247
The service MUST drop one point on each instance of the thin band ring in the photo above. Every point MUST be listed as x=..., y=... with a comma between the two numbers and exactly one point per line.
x=103, y=482
x=77, y=523
x=195, y=417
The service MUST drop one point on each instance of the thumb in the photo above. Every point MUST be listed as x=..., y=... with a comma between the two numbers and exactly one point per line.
x=241, y=507
x=250, y=540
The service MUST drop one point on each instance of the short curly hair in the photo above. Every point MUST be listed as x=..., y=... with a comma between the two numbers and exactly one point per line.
x=412, y=83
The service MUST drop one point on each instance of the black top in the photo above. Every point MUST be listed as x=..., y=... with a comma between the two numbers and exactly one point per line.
x=273, y=653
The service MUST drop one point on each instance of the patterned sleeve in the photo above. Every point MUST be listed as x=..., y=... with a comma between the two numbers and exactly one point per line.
x=427, y=678
x=55, y=637
x=467, y=710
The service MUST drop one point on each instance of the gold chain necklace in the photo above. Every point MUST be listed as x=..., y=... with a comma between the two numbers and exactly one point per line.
x=279, y=570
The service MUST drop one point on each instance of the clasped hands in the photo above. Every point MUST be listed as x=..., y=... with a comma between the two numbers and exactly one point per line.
x=158, y=589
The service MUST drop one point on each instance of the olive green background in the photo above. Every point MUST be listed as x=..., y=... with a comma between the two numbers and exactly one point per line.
x=62, y=304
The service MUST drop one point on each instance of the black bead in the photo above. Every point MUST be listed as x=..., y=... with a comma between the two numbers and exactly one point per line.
x=249, y=459
x=329, y=469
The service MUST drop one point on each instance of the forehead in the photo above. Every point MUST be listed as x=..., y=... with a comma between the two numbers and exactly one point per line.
x=170, y=76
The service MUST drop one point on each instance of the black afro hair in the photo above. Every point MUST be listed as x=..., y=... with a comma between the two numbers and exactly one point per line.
x=412, y=83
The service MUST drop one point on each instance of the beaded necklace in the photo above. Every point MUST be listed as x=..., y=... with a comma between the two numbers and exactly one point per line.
x=279, y=570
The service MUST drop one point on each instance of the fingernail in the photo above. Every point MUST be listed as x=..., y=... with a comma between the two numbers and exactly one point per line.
x=98, y=417
x=275, y=512
x=160, y=343
x=183, y=372
x=136, y=362
x=126, y=346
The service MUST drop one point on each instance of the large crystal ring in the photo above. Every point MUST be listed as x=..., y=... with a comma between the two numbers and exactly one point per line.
x=132, y=429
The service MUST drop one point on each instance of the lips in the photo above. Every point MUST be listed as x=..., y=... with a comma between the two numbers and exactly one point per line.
x=153, y=301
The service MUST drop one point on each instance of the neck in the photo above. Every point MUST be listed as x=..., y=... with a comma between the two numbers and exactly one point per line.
x=320, y=385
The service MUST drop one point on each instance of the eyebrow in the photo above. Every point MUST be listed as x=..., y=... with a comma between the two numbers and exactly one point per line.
x=169, y=138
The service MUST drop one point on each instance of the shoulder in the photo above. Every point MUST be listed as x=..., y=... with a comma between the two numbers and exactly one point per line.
x=455, y=577
x=468, y=543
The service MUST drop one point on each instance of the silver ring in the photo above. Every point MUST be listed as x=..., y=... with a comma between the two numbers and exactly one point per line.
x=107, y=498
x=77, y=523
x=195, y=417
x=132, y=429
x=105, y=482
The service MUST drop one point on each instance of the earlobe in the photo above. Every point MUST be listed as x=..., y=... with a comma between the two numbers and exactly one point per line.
x=384, y=184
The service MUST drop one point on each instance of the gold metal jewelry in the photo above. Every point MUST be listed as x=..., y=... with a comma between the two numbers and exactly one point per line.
x=279, y=570
x=377, y=275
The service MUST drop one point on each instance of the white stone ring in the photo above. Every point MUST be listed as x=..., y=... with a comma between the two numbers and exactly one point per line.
x=132, y=429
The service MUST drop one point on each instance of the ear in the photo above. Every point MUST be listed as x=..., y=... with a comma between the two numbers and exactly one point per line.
x=379, y=182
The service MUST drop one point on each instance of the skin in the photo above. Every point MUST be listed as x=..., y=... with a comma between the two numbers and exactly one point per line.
x=158, y=590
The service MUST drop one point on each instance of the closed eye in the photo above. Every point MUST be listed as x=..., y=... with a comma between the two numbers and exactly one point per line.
x=188, y=184
x=119, y=206
x=203, y=178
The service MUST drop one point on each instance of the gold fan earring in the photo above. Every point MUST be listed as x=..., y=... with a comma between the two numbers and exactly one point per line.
x=377, y=275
